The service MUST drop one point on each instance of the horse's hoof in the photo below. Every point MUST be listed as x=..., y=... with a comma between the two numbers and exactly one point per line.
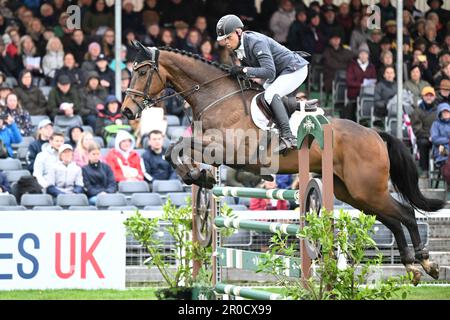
x=416, y=274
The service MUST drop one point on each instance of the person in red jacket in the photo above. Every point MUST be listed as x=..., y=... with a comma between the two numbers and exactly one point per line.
x=125, y=163
x=358, y=70
x=268, y=204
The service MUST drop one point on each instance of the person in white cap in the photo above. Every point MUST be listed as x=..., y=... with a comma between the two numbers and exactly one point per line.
x=65, y=176
x=44, y=132
x=47, y=158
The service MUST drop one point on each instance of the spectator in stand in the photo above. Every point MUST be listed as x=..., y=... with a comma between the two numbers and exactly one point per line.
x=21, y=116
x=30, y=96
x=92, y=97
x=151, y=38
x=131, y=18
x=313, y=41
x=64, y=92
x=444, y=92
x=356, y=6
x=410, y=5
x=415, y=84
x=443, y=74
x=181, y=31
x=77, y=46
x=345, y=20
x=5, y=90
x=44, y=132
x=54, y=59
x=284, y=181
x=48, y=16
x=202, y=26
x=30, y=60
x=440, y=133
x=436, y=6
x=446, y=45
x=110, y=119
x=167, y=39
x=156, y=166
x=335, y=58
x=358, y=70
x=296, y=31
x=98, y=16
x=388, y=12
x=328, y=4
x=193, y=41
x=9, y=65
x=124, y=161
x=385, y=89
x=36, y=30
x=421, y=120
x=329, y=25
x=179, y=10
x=374, y=46
x=360, y=35
x=81, y=154
x=105, y=74
x=206, y=50
x=125, y=82
x=433, y=57
x=281, y=20
x=418, y=58
x=4, y=183
x=71, y=70
x=129, y=37
x=74, y=133
x=65, y=177
x=386, y=60
x=47, y=158
x=268, y=204
x=90, y=58
x=98, y=177
x=108, y=43
x=9, y=133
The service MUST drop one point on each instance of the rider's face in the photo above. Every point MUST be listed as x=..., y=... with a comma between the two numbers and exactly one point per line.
x=232, y=41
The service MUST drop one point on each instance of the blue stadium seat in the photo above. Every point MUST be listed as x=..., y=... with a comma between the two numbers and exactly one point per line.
x=34, y=200
x=172, y=120
x=12, y=208
x=111, y=200
x=178, y=199
x=67, y=200
x=130, y=187
x=64, y=122
x=164, y=186
x=15, y=175
x=7, y=200
x=10, y=164
x=141, y=200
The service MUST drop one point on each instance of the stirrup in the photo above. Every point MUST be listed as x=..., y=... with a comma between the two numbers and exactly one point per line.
x=286, y=143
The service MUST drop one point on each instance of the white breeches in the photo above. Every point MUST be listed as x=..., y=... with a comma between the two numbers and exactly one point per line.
x=285, y=84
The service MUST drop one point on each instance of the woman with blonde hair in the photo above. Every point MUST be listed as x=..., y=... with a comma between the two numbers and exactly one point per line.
x=81, y=154
x=54, y=59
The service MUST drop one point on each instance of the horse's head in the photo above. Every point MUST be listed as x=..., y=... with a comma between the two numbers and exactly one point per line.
x=147, y=81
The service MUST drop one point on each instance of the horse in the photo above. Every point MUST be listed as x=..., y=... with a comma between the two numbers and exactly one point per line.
x=363, y=159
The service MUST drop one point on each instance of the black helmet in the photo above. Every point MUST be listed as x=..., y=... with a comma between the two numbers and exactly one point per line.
x=227, y=25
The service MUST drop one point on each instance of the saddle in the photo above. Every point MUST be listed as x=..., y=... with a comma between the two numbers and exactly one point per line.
x=290, y=103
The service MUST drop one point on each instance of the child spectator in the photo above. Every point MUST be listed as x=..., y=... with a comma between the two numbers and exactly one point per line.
x=156, y=167
x=440, y=133
x=81, y=154
x=98, y=177
x=268, y=204
x=110, y=119
x=31, y=97
x=47, y=158
x=21, y=116
x=45, y=131
x=124, y=161
x=65, y=176
x=9, y=133
x=74, y=133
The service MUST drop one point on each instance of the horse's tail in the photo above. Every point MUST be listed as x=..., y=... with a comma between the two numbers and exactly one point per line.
x=404, y=175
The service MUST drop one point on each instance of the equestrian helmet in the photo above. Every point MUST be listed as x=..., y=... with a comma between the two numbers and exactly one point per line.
x=227, y=25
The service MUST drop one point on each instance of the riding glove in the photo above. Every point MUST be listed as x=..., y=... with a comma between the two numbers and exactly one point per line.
x=237, y=71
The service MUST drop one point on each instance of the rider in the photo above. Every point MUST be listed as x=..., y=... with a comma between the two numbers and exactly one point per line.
x=264, y=58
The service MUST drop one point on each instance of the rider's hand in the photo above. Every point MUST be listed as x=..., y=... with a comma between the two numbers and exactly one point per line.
x=237, y=71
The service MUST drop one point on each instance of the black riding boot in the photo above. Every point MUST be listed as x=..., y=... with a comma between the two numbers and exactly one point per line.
x=287, y=139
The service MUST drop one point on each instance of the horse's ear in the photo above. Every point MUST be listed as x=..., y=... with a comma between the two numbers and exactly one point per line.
x=135, y=44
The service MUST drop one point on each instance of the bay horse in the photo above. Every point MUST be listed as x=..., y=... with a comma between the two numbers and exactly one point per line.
x=363, y=159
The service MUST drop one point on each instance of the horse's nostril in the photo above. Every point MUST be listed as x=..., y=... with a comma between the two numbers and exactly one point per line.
x=128, y=113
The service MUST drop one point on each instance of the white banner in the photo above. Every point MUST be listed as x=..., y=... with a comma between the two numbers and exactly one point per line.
x=54, y=250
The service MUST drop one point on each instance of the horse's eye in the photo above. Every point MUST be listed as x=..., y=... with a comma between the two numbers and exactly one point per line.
x=142, y=73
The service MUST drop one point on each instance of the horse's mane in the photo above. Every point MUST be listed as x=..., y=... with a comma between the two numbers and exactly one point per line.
x=221, y=66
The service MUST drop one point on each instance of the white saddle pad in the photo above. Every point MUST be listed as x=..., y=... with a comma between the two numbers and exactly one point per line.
x=262, y=122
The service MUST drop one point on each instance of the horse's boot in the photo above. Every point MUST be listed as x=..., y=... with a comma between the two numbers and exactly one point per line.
x=287, y=139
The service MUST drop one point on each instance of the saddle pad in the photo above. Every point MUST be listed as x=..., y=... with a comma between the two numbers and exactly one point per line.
x=260, y=120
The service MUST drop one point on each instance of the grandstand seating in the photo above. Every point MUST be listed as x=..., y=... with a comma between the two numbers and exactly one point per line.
x=47, y=208
x=165, y=186
x=365, y=103
x=172, y=120
x=67, y=200
x=175, y=132
x=146, y=199
x=82, y=208
x=99, y=141
x=7, y=200
x=64, y=122
x=178, y=199
x=35, y=200
x=129, y=187
x=36, y=119
x=15, y=175
x=111, y=199
x=10, y=164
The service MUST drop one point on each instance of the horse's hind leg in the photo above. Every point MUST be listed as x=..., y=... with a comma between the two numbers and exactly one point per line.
x=421, y=253
x=385, y=209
